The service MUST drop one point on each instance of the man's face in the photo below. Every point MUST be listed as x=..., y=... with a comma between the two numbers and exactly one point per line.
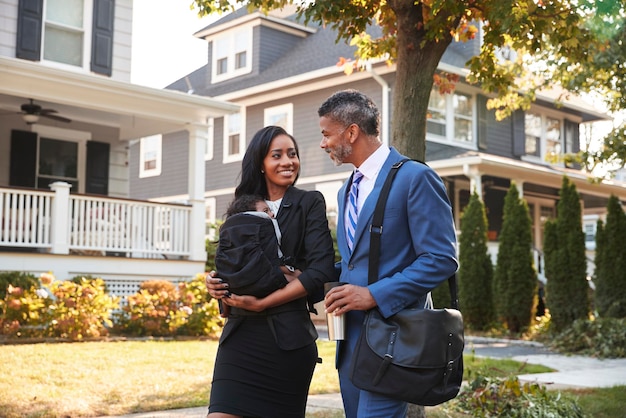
x=334, y=141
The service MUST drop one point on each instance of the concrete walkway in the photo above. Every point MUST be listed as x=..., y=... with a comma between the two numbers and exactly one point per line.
x=572, y=372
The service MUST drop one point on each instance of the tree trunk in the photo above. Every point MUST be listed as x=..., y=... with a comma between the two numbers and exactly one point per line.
x=416, y=411
x=417, y=60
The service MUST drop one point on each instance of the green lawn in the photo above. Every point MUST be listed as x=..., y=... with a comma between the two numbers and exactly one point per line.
x=112, y=378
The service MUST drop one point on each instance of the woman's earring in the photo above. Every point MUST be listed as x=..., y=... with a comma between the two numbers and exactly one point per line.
x=262, y=171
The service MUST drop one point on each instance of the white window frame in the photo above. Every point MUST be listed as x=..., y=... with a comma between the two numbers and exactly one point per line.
x=68, y=135
x=281, y=115
x=158, y=145
x=86, y=32
x=230, y=39
x=450, y=120
x=227, y=157
x=210, y=231
x=543, y=156
x=208, y=150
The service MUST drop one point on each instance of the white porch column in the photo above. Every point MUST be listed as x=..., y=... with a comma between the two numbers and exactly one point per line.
x=198, y=135
x=476, y=184
x=59, y=228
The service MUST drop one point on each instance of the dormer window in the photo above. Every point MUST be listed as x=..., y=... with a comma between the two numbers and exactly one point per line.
x=232, y=53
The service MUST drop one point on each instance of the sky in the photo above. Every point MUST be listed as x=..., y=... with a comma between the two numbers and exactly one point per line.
x=164, y=48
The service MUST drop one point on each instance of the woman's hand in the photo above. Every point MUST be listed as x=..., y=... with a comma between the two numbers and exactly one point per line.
x=216, y=286
x=249, y=303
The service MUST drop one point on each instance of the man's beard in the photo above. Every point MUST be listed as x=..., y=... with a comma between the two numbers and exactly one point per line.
x=339, y=154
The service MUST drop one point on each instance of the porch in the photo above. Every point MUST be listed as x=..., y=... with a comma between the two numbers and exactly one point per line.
x=125, y=241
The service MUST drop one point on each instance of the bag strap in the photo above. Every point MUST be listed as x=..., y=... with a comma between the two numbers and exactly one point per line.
x=376, y=230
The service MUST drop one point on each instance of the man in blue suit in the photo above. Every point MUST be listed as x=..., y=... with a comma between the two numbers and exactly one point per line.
x=418, y=243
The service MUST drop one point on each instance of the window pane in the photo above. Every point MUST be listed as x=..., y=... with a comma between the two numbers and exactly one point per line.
x=58, y=158
x=222, y=65
x=234, y=123
x=66, y=12
x=436, y=101
x=436, y=127
x=553, y=136
x=221, y=47
x=241, y=41
x=532, y=129
x=63, y=46
x=462, y=105
x=240, y=60
x=278, y=119
x=233, y=144
x=462, y=130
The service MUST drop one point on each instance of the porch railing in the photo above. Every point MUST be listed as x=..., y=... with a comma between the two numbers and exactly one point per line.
x=25, y=218
x=61, y=223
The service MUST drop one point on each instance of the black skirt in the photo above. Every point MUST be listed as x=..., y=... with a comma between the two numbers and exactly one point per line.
x=253, y=377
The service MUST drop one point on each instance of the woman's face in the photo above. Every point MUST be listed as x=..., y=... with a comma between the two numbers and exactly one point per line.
x=281, y=164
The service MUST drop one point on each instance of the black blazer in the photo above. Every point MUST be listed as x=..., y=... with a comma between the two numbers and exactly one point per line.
x=305, y=237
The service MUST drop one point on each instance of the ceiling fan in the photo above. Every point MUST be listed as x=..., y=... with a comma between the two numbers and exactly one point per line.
x=32, y=111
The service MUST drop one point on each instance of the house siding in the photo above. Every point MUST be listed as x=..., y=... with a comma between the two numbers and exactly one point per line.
x=8, y=27
x=273, y=43
x=122, y=36
x=499, y=135
x=174, y=169
x=122, y=40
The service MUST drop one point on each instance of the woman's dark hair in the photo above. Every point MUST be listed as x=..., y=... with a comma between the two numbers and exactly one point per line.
x=243, y=203
x=252, y=180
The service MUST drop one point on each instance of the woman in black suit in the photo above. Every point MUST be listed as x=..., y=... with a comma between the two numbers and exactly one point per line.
x=267, y=352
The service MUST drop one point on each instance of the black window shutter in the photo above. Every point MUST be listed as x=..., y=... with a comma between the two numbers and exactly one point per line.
x=482, y=121
x=102, y=37
x=23, y=162
x=519, y=133
x=29, y=21
x=97, y=171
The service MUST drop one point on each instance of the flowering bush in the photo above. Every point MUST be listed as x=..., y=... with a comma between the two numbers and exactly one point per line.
x=23, y=312
x=161, y=308
x=62, y=309
x=80, y=310
x=203, y=318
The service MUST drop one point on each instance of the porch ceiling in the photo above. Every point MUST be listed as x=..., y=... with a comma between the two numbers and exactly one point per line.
x=550, y=176
x=137, y=111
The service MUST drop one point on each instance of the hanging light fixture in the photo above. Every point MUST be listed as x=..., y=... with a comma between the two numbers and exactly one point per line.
x=30, y=118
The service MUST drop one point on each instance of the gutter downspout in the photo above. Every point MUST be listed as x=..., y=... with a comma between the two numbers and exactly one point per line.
x=385, y=111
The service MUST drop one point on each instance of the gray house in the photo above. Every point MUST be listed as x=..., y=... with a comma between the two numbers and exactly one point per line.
x=279, y=71
x=68, y=114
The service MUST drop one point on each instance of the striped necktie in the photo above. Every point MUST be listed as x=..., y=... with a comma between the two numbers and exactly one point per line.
x=353, y=211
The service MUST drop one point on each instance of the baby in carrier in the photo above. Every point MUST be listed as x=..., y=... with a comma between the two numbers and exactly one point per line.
x=248, y=255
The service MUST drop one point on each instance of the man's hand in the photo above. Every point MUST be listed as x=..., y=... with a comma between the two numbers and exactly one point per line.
x=348, y=297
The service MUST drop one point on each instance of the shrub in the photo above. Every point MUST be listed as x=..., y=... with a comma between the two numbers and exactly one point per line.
x=80, y=310
x=567, y=289
x=495, y=397
x=16, y=279
x=161, y=308
x=203, y=313
x=475, y=276
x=515, y=279
x=152, y=310
x=23, y=311
x=602, y=337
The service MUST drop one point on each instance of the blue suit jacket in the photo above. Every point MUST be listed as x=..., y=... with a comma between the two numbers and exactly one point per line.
x=418, y=242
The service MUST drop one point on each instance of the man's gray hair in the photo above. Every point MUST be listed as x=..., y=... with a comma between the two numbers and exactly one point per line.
x=351, y=106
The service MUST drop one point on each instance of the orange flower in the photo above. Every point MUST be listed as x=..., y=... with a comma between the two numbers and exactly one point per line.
x=46, y=278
